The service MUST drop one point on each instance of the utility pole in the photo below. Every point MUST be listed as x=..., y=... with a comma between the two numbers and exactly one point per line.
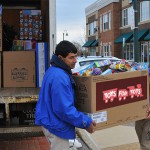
x=135, y=32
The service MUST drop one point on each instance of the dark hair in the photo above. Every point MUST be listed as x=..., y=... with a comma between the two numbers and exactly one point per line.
x=64, y=48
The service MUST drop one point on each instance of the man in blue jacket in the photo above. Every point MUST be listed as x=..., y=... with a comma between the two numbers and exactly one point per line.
x=55, y=109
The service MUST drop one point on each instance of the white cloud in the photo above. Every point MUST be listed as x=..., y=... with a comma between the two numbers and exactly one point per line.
x=75, y=33
x=70, y=15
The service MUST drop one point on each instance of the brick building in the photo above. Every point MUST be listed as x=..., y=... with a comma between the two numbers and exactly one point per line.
x=110, y=27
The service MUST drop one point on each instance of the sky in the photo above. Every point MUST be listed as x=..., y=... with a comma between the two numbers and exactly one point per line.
x=71, y=19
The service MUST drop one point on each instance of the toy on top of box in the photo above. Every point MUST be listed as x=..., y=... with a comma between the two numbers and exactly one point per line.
x=107, y=67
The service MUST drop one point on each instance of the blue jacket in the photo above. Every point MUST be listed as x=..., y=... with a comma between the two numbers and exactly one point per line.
x=55, y=109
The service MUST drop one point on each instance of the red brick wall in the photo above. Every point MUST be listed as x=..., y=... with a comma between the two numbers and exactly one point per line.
x=111, y=35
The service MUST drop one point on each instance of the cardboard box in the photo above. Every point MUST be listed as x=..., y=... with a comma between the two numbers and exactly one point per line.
x=113, y=99
x=19, y=69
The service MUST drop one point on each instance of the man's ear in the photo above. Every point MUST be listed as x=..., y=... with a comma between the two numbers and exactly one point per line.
x=59, y=56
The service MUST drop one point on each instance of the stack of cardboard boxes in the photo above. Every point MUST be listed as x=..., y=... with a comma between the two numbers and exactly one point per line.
x=23, y=59
x=25, y=68
x=22, y=66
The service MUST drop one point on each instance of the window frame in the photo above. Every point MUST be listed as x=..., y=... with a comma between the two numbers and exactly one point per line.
x=91, y=28
x=126, y=16
x=107, y=49
x=105, y=21
x=145, y=11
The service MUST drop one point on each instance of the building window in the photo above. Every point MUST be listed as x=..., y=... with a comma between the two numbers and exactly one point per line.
x=92, y=51
x=127, y=16
x=129, y=52
x=106, y=50
x=92, y=27
x=145, y=10
x=106, y=21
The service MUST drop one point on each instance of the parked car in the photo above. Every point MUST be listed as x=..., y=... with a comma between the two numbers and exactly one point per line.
x=84, y=61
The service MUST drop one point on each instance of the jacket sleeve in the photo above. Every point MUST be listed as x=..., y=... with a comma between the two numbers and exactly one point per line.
x=63, y=104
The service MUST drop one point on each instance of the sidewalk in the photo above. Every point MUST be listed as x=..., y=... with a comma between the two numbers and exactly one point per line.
x=116, y=138
x=30, y=143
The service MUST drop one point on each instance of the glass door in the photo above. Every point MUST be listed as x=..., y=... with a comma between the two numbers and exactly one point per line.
x=145, y=52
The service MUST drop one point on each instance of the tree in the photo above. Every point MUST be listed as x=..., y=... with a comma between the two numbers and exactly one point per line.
x=79, y=48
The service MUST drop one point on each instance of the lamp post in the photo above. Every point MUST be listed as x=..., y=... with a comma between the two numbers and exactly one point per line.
x=65, y=33
x=135, y=33
x=53, y=42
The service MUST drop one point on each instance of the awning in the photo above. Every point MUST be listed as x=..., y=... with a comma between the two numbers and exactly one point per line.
x=89, y=43
x=127, y=37
x=141, y=35
x=147, y=38
x=94, y=44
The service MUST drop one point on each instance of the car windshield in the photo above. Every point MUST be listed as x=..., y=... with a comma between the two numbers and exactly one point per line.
x=84, y=63
x=87, y=62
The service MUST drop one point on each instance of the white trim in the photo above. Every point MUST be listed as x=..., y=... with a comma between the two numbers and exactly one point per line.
x=143, y=22
x=98, y=5
x=130, y=1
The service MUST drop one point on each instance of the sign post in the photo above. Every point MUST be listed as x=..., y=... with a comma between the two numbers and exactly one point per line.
x=135, y=32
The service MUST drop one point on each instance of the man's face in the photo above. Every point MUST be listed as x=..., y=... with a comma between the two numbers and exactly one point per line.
x=70, y=60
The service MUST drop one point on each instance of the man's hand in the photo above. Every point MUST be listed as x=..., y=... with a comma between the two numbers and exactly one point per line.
x=90, y=129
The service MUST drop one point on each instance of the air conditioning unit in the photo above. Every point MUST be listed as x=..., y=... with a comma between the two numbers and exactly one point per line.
x=130, y=1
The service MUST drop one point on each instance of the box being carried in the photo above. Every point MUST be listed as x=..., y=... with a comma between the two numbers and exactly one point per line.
x=113, y=99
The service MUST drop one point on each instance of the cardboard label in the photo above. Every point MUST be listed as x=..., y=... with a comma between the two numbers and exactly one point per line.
x=99, y=116
x=19, y=74
x=119, y=92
